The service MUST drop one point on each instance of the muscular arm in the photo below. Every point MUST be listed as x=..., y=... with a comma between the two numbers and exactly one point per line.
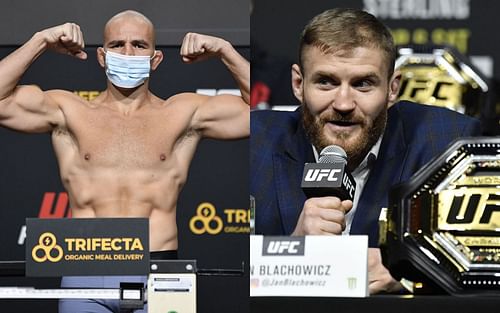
x=28, y=108
x=223, y=116
x=239, y=68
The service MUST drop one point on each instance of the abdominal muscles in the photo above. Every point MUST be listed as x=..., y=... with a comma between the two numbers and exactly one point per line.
x=112, y=193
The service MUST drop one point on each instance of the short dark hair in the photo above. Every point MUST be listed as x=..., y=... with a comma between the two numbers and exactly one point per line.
x=341, y=30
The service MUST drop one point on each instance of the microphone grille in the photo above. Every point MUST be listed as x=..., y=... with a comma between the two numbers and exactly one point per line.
x=333, y=154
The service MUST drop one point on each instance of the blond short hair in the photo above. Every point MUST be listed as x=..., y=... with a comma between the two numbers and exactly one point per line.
x=342, y=30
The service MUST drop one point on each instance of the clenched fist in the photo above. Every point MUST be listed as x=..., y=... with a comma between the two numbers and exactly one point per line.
x=322, y=216
x=196, y=47
x=66, y=39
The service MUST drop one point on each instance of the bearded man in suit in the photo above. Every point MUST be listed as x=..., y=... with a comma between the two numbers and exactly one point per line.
x=348, y=88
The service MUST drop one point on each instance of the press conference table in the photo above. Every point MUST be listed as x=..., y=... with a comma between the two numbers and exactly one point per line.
x=376, y=304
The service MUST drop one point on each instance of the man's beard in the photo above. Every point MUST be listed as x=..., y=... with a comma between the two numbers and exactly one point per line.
x=356, y=149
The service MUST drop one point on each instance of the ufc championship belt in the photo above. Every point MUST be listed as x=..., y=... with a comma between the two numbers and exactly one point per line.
x=442, y=228
x=441, y=76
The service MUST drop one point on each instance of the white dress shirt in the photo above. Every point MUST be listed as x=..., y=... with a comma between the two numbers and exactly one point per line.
x=360, y=175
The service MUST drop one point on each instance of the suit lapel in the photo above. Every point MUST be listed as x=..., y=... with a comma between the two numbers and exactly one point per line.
x=386, y=172
x=288, y=165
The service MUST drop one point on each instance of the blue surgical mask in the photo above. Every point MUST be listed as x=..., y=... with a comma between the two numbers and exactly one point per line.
x=127, y=71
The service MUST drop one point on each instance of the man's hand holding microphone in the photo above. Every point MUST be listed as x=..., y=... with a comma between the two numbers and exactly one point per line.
x=330, y=190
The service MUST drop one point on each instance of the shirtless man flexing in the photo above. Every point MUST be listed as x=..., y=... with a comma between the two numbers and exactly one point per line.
x=127, y=152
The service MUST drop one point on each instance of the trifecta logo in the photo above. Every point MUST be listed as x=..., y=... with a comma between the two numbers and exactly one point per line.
x=208, y=221
x=47, y=249
x=85, y=249
x=87, y=246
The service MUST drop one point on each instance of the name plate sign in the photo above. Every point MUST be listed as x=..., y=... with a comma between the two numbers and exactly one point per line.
x=87, y=246
x=310, y=266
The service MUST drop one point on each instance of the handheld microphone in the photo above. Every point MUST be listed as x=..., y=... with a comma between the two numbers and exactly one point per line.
x=329, y=177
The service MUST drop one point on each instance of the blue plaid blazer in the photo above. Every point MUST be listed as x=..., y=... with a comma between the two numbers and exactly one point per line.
x=279, y=148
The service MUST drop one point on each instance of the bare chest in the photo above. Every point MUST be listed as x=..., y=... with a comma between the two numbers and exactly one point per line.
x=143, y=140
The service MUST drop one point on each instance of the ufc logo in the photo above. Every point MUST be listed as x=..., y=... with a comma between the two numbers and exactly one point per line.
x=275, y=246
x=419, y=88
x=348, y=185
x=319, y=174
x=472, y=210
x=278, y=247
x=51, y=208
